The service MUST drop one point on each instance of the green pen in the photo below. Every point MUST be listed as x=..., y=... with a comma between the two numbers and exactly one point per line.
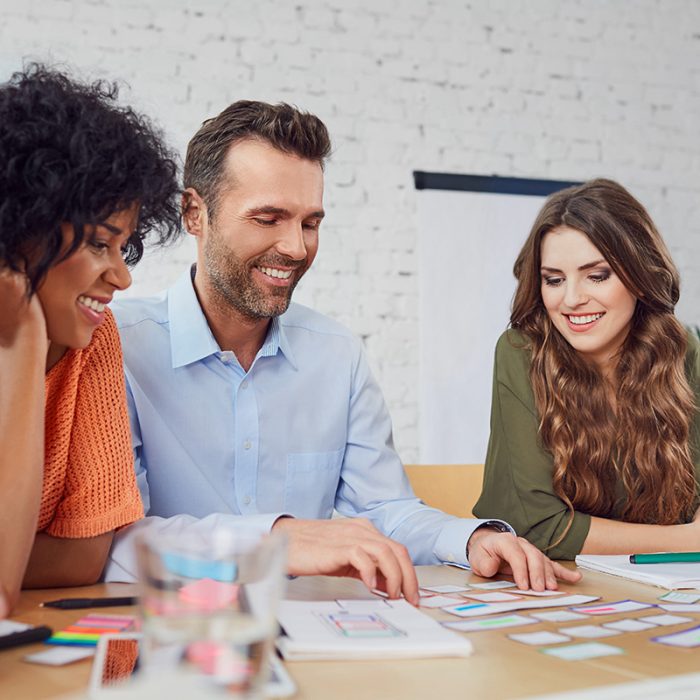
x=665, y=558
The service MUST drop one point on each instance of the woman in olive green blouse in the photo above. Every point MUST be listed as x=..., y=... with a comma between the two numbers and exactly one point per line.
x=595, y=435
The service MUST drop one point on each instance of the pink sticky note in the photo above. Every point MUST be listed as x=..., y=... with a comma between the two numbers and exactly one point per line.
x=207, y=594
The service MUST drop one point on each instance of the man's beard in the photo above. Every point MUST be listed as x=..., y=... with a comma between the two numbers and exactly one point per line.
x=232, y=280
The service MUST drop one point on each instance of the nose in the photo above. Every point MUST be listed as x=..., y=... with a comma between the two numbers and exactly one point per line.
x=117, y=274
x=291, y=242
x=574, y=295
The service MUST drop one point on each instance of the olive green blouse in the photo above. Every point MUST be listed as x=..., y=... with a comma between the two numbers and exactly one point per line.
x=518, y=471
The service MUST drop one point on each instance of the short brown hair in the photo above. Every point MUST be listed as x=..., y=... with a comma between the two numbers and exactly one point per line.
x=283, y=126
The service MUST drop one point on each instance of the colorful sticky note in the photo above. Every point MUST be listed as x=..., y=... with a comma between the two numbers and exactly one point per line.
x=587, y=650
x=208, y=595
x=612, y=608
x=680, y=597
x=490, y=623
x=492, y=597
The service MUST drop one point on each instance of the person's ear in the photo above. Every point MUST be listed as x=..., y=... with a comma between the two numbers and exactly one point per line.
x=194, y=212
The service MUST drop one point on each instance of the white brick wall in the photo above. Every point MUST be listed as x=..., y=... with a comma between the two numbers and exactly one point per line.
x=564, y=89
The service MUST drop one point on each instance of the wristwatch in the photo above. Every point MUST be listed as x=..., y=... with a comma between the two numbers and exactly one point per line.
x=498, y=525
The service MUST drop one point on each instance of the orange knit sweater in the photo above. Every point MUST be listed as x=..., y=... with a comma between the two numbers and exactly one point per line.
x=89, y=482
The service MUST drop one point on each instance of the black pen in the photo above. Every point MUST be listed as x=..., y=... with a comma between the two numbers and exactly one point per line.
x=76, y=603
x=28, y=636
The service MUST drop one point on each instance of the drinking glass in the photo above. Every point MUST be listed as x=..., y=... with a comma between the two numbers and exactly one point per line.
x=209, y=605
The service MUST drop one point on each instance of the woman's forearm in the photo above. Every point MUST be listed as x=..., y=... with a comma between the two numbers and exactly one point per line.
x=22, y=375
x=59, y=562
x=21, y=470
x=614, y=537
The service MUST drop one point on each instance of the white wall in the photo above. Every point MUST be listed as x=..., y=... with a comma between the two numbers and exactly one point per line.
x=560, y=89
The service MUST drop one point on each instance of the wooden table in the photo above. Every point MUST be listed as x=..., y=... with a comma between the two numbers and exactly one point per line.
x=499, y=667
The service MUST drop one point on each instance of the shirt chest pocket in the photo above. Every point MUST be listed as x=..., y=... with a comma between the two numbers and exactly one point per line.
x=312, y=480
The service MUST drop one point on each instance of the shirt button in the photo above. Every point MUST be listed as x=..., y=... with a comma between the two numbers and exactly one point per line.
x=247, y=444
x=247, y=500
x=244, y=384
x=450, y=557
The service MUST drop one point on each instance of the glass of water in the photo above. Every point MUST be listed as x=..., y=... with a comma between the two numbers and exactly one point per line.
x=209, y=605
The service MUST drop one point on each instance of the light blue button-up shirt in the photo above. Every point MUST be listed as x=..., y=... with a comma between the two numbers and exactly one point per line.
x=304, y=431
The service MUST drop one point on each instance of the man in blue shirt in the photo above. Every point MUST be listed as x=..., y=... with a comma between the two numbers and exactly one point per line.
x=250, y=410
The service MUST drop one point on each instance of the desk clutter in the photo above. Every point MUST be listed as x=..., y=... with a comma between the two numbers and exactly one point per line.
x=78, y=640
x=506, y=607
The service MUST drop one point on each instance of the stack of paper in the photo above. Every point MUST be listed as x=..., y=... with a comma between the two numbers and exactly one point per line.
x=363, y=629
x=671, y=576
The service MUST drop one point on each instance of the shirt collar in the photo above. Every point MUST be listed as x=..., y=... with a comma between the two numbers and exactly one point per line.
x=277, y=340
x=191, y=338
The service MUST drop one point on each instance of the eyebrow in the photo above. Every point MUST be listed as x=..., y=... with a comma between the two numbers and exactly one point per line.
x=581, y=268
x=281, y=211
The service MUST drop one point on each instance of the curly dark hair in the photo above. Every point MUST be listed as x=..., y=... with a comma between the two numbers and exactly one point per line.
x=69, y=153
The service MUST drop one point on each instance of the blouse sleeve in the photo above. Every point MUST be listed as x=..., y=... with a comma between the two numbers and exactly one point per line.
x=692, y=372
x=518, y=471
x=100, y=488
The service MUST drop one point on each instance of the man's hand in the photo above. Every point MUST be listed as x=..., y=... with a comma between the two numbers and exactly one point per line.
x=349, y=547
x=491, y=552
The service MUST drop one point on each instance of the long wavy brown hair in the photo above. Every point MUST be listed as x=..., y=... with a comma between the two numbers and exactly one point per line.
x=642, y=438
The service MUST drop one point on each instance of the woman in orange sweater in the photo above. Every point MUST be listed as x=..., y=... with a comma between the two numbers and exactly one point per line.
x=83, y=180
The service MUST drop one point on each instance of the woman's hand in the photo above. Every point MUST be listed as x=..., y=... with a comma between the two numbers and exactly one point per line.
x=21, y=318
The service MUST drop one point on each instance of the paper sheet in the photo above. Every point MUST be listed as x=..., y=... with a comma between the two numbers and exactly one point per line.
x=539, y=638
x=558, y=615
x=613, y=608
x=475, y=609
x=686, y=638
x=680, y=607
x=587, y=650
x=665, y=620
x=493, y=585
x=588, y=631
x=631, y=625
x=59, y=656
x=493, y=597
x=363, y=629
x=446, y=588
x=491, y=623
x=437, y=601
x=679, y=597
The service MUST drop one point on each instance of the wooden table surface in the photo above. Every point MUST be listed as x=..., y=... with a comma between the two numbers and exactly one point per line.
x=499, y=667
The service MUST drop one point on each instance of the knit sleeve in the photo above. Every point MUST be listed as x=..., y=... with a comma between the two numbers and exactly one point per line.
x=100, y=488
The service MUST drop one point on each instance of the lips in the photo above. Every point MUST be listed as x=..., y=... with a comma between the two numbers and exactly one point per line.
x=276, y=272
x=92, y=308
x=582, y=322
